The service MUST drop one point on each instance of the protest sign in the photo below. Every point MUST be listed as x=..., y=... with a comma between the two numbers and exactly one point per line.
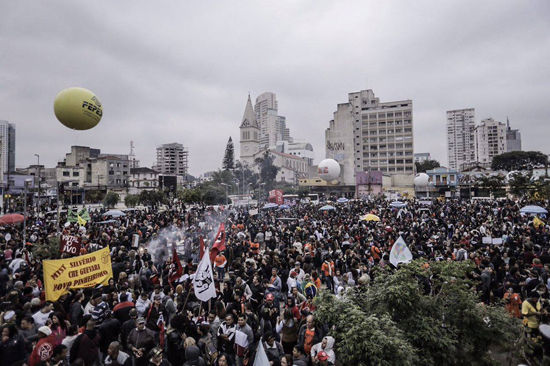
x=84, y=271
x=70, y=244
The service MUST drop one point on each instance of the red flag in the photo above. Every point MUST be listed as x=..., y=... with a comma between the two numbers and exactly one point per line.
x=201, y=250
x=177, y=271
x=219, y=243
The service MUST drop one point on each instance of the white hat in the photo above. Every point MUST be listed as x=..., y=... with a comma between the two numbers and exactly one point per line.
x=45, y=330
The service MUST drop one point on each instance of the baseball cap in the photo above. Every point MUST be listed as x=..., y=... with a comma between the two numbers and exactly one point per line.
x=140, y=320
x=322, y=356
x=45, y=330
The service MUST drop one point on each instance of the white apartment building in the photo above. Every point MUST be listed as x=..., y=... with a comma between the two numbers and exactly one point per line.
x=367, y=134
x=272, y=126
x=7, y=148
x=490, y=140
x=460, y=138
x=172, y=159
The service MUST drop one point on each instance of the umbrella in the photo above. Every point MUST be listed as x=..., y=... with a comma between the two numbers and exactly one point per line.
x=269, y=205
x=284, y=207
x=530, y=210
x=398, y=204
x=342, y=200
x=370, y=217
x=11, y=219
x=327, y=208
x=114, y=213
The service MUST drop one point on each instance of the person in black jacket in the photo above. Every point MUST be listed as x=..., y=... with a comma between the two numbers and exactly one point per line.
x=127, y=327
x=12, y=346
x=109, y=331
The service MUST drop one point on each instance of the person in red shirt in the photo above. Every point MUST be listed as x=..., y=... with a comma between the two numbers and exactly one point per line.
x=513, y=303
x=220, y=262
x=44, y=348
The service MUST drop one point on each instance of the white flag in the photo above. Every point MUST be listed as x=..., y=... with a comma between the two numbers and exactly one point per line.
x=203, y=282
x=400, y=253
x=261, y=357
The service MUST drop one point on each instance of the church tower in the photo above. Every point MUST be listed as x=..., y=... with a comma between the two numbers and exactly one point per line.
x=250, y=134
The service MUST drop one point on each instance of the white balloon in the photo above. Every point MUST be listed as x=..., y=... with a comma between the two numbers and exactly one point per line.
x=421, y=180
x=328, y=169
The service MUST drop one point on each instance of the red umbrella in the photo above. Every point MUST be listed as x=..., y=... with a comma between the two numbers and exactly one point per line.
x=11, y=219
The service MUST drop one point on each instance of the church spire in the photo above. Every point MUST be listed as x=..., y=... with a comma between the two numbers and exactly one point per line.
x=249, y=118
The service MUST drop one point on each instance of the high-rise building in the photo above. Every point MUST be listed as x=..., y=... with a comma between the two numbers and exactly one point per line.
x=422, y=157
x=460, y=138
x=7, y=139
x=490, y=140
x=272, y=126
x=513, y=138
x=172, y=159
x=367, y=134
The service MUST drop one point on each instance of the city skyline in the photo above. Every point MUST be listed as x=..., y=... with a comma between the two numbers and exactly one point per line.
x=182, y=72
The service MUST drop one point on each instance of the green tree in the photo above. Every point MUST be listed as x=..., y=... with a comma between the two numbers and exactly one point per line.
x=492, y=184
x=397, y=321
x=303, y=192
x=268, y=171
x=192, y=195
x=243, y=172
x=426, y=165
x=520, y=184
x=131, y=200
x=152, y=198
x=519, y=160
x=229, y=156
x=111, y=199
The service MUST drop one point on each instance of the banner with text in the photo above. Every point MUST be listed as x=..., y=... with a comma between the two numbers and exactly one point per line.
x=70, y=244
x=84, y=271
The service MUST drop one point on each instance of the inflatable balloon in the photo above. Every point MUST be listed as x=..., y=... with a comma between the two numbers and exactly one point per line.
x=78, y=108
x=421, y=180
x=328, y=169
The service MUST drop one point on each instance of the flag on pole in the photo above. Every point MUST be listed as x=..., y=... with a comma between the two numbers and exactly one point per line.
x=177, y=269
x=400, y=253
x=81, y=221
x=219, y=243
x=201, y=250
x=203, y=281
x=261, y=357
x=537, y=222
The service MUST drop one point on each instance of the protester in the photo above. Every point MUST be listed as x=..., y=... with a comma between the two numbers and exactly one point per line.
x=266, y=277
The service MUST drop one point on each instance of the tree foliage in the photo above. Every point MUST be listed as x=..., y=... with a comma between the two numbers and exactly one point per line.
x=131, y=200
x=268, y=171
x=519, y=160
x=440, y=324
x=228, y=162
x=111, y=199
x=426, y=165
x=152, y=197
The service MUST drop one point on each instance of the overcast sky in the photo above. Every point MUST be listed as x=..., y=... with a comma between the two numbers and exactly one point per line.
x=181, y=72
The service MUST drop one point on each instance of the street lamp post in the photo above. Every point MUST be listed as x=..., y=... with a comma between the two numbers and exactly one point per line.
x=25, y=186
x=226, y=195
x=38, y=200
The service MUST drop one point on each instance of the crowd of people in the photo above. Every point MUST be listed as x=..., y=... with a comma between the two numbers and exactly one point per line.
x=267, y=279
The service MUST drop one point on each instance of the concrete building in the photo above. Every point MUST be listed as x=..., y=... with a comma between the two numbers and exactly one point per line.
x=299, y=149
x=367, y=134
x=172, y=159
x=292, y=168
x=460, y=137
x=79, y=154
x=110, y=172
x=272, y=126
x=7, y=149
x=422, y=157
x=143, y=179
x=513, y=138
x=490, y=140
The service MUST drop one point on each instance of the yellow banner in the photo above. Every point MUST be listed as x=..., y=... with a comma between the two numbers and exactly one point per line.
x=84, y=271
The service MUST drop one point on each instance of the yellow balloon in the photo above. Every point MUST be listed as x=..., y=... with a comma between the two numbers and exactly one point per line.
x=78, y=108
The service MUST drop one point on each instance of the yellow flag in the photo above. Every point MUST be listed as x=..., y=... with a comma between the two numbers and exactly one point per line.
x=84, y=271
x=537, y=222
x=81, y=221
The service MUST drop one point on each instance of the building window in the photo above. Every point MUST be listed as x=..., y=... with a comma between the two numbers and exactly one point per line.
x=76, y=174
x=66, y=174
